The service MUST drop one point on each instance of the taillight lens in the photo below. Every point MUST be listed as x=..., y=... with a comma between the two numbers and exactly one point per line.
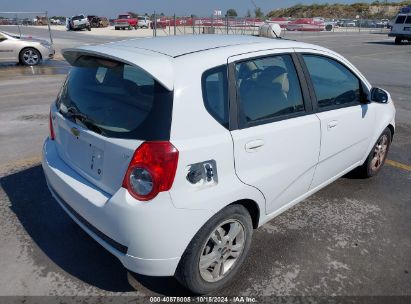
x=52, y=136
x=151, y=170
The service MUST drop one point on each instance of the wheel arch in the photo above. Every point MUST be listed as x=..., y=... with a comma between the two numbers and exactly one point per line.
x=392, y=129
x=252, y=208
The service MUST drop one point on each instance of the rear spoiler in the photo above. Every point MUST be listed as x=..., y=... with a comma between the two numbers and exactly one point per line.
x=159, y=66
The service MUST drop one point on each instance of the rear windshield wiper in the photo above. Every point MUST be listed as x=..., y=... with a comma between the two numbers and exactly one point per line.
x=74, y=113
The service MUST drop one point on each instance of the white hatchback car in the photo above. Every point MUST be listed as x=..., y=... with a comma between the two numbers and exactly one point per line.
x=170, y=151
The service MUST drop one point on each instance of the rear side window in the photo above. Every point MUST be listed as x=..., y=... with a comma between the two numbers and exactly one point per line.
x=400, y=19
x=116, y=100
x=268, y=89
x=334, y=84
x=214, y=83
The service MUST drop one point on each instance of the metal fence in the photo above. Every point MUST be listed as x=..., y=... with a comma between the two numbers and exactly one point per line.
x=205, y=25
x=22, y=19
x=249, y=26
x=174, y=25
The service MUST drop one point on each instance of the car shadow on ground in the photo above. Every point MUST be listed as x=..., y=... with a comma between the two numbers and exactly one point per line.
x=388, y=42
x=167, y=286
x=59, y=238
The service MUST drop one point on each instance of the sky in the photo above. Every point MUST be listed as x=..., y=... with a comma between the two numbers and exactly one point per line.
x=111, y=8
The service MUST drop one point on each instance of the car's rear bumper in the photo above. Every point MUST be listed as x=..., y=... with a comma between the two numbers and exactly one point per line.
x=147, y=237
x=80, y=26
x=122, y=24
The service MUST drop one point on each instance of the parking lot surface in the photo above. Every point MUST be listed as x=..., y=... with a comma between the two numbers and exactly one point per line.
x=352, y=238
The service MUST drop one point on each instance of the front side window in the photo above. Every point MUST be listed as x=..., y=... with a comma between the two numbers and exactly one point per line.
x=408, y=20
x=116, y=100
x=268, y=88
x=2, y=37
x=334, y=84
x=215, y=95
x=400, y=19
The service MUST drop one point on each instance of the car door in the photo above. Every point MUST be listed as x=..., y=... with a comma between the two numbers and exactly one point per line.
x=6, y=49
x=346, y=120
x=275, y=133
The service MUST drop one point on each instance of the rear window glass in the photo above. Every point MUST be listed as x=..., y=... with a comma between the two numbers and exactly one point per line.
x=215, y=94
x=78, y=17
x=400, y=19
x=116, y=100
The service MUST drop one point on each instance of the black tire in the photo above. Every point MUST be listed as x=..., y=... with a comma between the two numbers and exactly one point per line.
x=188, y=272
x=89, y=28
x=397, y=40
x=30, y=56
x=116, y=28
x=368, y=169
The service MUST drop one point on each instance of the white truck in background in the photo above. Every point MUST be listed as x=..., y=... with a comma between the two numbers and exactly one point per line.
x=78, y=22
x=401, y=28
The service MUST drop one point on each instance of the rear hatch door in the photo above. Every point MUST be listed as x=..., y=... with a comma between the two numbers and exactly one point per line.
x=104, y=111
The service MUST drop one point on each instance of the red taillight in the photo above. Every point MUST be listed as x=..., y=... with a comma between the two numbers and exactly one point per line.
x=151, y=170
x=52, y=136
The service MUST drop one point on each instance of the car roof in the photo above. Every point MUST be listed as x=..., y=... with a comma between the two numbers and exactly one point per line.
x=157, y=55
x=176, y=46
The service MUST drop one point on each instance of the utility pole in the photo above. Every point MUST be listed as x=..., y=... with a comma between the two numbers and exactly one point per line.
x=385, y=8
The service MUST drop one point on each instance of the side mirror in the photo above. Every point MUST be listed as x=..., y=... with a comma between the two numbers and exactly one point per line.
x=379, y=95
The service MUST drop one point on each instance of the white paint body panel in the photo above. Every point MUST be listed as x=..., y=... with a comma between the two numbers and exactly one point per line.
x=345, y=137
x=284, y=166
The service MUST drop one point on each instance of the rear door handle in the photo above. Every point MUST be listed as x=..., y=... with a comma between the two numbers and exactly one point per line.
x=254, y=145
x=332, y=124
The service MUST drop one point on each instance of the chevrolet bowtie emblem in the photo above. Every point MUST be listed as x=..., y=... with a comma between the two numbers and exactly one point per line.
x=75, y=132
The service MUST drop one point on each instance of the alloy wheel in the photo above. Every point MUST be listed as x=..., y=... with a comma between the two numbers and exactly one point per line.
x=30, y=57
x=380, y=152
x=221, y=251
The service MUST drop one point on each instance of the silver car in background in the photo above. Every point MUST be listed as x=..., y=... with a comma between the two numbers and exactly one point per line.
x=25, y=50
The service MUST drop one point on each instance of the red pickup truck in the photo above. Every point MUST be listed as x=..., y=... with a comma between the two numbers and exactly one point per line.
x=125, y=21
